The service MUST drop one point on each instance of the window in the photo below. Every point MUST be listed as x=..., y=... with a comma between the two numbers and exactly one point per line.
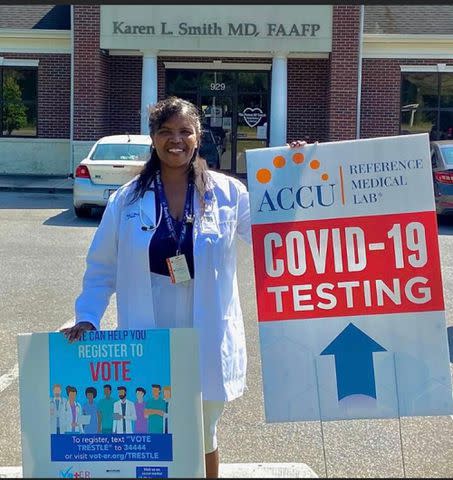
x=120, y=151
x=447, y=153
x=427, y=104
x=18, y=101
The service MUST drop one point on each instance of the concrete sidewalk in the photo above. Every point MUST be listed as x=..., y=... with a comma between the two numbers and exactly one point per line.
x=35, y=183
x=41, y=184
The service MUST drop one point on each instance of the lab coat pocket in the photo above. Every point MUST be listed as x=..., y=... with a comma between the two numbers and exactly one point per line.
x=216, y=229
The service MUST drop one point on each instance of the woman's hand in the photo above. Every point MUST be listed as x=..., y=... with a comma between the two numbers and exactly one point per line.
x=297, y=144
x=74, y=333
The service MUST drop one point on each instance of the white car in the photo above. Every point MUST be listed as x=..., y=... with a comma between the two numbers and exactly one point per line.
x=112, y=162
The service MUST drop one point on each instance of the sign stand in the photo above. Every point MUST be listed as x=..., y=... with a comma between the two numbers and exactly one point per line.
x=320, y=421
x=399, y=421
x=399, y=417
x=402, y=451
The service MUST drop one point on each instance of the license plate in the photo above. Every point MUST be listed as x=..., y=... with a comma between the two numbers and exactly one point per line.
x=108, y=192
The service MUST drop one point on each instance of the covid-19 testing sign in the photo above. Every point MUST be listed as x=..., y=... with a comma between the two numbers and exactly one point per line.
x=348, y=280
x=116, y=403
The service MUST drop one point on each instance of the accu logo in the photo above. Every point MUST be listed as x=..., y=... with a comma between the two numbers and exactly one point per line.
x=293, y=197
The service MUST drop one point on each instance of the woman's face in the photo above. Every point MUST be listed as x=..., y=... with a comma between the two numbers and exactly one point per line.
x=175, y=141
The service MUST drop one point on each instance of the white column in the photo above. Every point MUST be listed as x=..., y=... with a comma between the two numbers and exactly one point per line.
x=279, y=89
x=149, y=88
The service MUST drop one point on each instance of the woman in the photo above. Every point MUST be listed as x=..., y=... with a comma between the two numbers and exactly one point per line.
x=90, y=408
x=176, y=223
x=73, y=411
x=141, y=424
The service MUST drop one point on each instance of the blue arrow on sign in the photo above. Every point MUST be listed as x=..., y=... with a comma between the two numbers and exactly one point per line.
x=353, y=351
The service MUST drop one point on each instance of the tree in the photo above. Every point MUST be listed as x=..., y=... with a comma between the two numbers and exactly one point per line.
x=14, y=110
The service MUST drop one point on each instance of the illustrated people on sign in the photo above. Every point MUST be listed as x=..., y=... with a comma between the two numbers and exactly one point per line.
x=167, y=396
x=90, y=408
x=73, y=411
x=57, y=410
x=155, y=410
x=176, y=210
x=141, y=424
x=105, y=411
x=123, y=413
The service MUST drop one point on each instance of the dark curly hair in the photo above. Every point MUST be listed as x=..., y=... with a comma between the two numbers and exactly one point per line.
x=197, y=168
x=91, y=390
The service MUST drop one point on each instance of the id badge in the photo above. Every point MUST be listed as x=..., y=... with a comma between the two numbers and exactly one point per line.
x=178, y=268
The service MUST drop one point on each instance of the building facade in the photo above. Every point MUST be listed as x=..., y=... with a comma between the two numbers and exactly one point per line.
x=260, y=76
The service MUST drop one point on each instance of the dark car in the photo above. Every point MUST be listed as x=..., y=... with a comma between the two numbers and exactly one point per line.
x=442, y=163
x=209, y=149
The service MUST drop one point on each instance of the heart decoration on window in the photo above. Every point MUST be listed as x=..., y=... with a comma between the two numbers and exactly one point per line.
x=252, y=116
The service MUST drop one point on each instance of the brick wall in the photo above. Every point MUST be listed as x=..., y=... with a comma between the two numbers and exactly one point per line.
x=381, y=94
x=91, y=76
x=342, y=99
x=125, y=94
x=307, y=99
x=54, y=97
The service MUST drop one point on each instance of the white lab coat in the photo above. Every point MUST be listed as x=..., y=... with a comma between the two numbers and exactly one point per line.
x=68, y=418
x=118, y=261
x=129, y=417
x=57, y=415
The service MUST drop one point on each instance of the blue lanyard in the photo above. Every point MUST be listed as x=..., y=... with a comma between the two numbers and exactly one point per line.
x=166, y=211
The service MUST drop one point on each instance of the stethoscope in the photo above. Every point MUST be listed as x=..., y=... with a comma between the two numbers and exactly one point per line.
x=145, y=227
x=150, y=228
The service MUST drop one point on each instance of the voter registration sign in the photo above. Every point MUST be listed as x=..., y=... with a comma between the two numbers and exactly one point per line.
x=116, y=403
x=348, y=280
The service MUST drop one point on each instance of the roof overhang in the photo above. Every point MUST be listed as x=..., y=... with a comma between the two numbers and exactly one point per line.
x=34, y=41
x=407, y=46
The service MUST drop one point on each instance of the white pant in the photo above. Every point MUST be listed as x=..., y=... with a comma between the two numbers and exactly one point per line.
x=173, y=302
x=173, y=308
x=212, y=412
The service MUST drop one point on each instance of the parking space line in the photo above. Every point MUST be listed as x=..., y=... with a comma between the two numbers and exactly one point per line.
x=11, y=472
x=8, y=378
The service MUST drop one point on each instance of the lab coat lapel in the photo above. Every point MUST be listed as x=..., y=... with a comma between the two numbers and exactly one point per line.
x=148, y=208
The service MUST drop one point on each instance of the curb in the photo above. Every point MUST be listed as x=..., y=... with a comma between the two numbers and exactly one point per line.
x=266, y=470
x=36, y=189
x=227, y=470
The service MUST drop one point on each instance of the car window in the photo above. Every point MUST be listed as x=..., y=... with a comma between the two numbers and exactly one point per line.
x=447, y=153
x=120, y=151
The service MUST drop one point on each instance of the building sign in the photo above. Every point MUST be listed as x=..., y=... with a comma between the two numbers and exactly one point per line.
x=348, y=281
x=289, y=28
x=109, y=404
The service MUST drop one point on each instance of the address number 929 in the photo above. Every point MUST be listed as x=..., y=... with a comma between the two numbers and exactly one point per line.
x=217, y=86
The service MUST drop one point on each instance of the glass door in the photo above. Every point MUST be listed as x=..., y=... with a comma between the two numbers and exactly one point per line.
x=217, y=135
x=216, y=101
x=252, y=126
x=252, y=115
